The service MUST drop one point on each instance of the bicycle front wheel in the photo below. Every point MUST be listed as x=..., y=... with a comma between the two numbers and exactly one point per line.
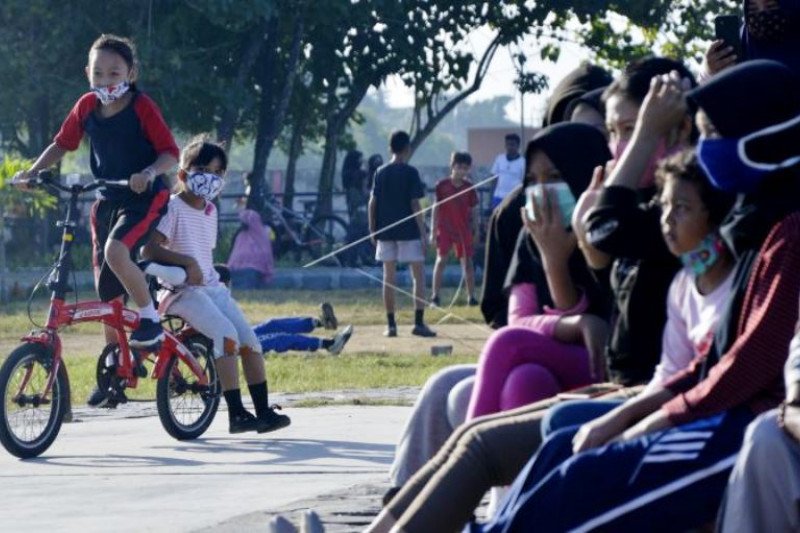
x=186, y=408
x=29, y=420
x=326, y=235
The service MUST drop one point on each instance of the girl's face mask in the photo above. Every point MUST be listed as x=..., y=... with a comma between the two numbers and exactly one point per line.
x=559, y=193
x=649, y=176
x=204, y=184
x=702, y=258
x=111, y=93
x=769, y=25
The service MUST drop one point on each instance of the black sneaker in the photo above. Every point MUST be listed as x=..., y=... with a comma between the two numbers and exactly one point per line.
x=326, y=316
x=107, y=399
x=272, y=421
x=391, y=331
x=422, y=330
x=242, y=423
x=435, y=301
x=340, y=340
x=147, y=335
x=472, y=301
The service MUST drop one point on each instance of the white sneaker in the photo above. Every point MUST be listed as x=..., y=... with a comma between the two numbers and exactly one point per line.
x=340, y=340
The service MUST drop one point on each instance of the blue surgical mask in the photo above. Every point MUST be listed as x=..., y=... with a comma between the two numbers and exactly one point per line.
x=702, y=258
x=725, y=170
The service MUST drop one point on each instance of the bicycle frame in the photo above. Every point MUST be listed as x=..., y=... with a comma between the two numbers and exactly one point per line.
x=112, y=314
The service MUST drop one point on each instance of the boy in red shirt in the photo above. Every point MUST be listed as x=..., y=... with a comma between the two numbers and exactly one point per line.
x=454, y=223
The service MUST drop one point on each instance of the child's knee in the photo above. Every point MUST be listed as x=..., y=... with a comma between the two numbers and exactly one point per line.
x=230, y=348
x=116, y=253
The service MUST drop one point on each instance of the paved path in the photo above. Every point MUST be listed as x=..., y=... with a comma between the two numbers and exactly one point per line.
x=126, y=474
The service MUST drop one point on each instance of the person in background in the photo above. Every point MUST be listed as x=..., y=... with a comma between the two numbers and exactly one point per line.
x=397, y=223
x=374, y=162
x=509, y=167
x=251, y=262
x=771, y=30
x=454, y=224
x=354, y=183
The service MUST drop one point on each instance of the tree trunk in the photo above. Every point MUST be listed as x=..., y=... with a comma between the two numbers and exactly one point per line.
x=230, y=107
x=295, y=149
x=335, y=125
x=270, y=112
x=421, y=132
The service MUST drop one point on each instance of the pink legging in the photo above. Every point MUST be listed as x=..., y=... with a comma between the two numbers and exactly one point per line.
x=522, y=363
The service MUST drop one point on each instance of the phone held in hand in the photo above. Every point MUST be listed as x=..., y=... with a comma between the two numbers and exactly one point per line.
x=728, y=28
x=590, y=391
x=558, y=192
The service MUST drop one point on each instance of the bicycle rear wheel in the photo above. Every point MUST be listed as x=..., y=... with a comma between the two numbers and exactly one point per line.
x=29, y=422
x=185, y=408
x=324, y=236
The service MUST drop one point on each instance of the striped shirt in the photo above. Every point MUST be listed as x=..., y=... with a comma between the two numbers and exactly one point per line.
x=192, y=232
x=751, y=372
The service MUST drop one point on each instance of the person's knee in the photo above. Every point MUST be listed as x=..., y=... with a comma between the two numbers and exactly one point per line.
x=116, y=253
x=230, y=347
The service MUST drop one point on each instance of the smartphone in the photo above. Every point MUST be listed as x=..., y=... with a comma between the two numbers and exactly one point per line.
x=728, y=28
x=560, y=192
x=590, y=391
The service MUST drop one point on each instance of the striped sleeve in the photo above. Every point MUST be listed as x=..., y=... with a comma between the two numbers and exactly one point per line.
x=754, y=363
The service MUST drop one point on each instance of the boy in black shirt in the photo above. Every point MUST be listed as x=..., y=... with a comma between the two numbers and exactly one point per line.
x=395, y=197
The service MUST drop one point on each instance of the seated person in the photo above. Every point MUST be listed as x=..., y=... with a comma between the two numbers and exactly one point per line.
x=251, y=261
x=186, y=236
x=764, y=487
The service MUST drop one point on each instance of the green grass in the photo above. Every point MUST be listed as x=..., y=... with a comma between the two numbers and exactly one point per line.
x=295, y=372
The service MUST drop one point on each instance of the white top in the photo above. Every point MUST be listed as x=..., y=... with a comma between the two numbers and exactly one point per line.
x=691, y=323
x=509, y=174
x=192, y=232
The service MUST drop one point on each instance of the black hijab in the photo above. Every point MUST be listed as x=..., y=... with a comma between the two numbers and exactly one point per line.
x=575, y=150
x=577, y=83
x=741, y=100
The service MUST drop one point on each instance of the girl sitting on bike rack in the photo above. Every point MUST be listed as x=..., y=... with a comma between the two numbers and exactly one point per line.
x=187, y=236
x=129, y=140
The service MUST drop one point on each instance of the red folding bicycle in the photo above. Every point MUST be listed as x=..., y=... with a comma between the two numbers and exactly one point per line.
x=34, y=386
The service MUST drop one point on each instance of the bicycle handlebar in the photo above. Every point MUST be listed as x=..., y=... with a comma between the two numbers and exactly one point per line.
x=45, y=178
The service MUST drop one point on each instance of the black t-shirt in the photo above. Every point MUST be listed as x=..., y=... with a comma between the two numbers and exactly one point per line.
x=396, y=186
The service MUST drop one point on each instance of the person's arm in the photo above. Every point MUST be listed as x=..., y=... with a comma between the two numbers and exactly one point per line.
x=596, y=259
x=420, y=218
x=614, y=424
x=620, y=226
x=51, y=155
x=556, y=245
x=157, y=132
x=433, y=222
x=792, y=370
x=371, y=217
x=155, y=251
x=768, y=317
x=663, y=109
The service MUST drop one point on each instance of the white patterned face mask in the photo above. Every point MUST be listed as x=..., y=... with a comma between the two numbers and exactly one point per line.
x=111, y=93
x=206, y=185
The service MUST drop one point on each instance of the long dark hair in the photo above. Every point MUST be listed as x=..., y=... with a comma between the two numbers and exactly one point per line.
x=351, y=167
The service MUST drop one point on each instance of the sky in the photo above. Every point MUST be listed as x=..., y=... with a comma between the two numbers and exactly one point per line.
x=501, y=74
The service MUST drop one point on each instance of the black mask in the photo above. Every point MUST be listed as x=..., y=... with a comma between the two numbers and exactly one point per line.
x=767, y=26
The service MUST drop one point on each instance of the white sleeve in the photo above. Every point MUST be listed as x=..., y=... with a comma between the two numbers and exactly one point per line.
x=166, y=226
x=496, y=165
x=676, y=347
